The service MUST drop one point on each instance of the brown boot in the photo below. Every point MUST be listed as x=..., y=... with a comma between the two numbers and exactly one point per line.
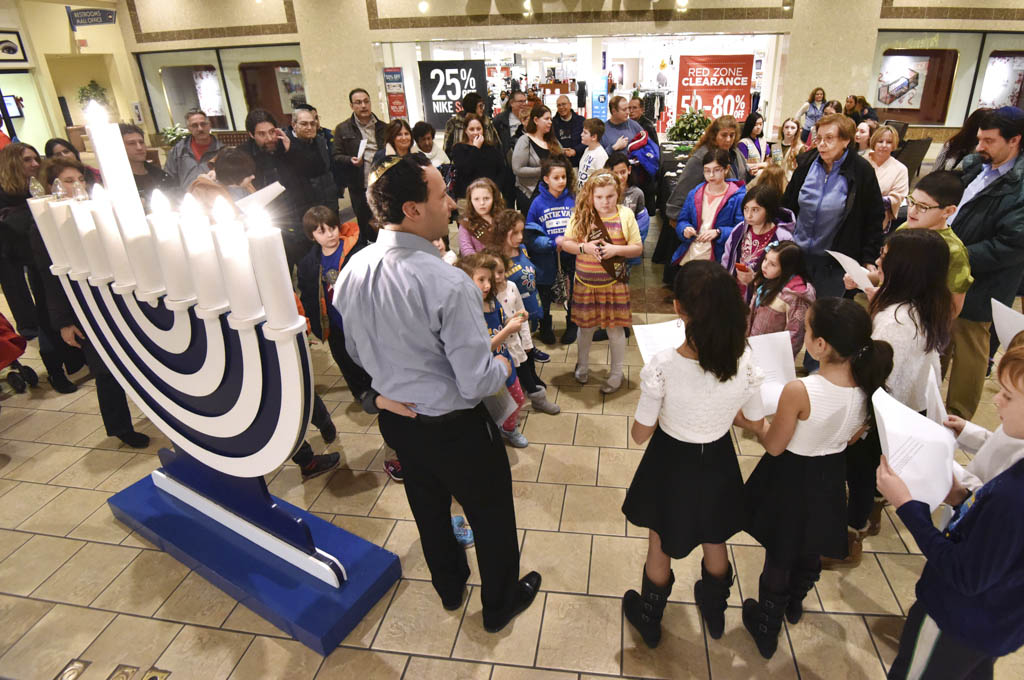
x=875, y=519
x=854, y=550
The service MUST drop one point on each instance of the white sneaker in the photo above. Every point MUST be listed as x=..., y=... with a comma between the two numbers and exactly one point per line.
x=582, y=374
x=516, y=439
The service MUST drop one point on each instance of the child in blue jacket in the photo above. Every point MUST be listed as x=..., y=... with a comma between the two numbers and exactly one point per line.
x=970, y=597
x=545, y=226
x=703, y=237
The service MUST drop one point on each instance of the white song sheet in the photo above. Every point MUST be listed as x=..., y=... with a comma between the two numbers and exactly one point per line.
x=936, y=409
x=654, y=337
x=773, y=354
x=918, y=449
x=1008, y=322
x=261, y=198
x=858, y=273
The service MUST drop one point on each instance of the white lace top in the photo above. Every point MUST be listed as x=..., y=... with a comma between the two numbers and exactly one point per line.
x=836, y=415
x=908, y=382
x=692, y=405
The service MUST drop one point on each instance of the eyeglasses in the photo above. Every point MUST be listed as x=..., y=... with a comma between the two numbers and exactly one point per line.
x=920, y=206
x=828, y=139
x=708, y=170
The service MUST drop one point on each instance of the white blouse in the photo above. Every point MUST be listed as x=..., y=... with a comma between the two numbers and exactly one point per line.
x=995, y=452
x=908, y=382
x=692, y=405
x=836, y=415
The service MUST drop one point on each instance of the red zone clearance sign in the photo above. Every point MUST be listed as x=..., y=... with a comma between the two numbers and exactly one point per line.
x=719, y=85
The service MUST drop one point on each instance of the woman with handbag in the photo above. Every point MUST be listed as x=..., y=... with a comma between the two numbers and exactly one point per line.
x=603, y=235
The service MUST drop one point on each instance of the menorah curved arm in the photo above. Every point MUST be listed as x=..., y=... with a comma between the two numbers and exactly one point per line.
x=248, y=426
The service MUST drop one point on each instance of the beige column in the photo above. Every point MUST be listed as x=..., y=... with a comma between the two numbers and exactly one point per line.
x=831, y=45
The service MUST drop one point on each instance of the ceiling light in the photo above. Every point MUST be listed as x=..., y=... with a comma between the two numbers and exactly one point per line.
x=682, y=3
x=423, y=6
x=526, y=5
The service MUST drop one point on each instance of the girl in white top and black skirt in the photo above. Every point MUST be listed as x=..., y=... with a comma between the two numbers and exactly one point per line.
x=796, y=496
x=688, y=489
x=912, y=310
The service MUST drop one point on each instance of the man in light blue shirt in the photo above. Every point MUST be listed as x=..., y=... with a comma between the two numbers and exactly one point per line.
x=417, y=326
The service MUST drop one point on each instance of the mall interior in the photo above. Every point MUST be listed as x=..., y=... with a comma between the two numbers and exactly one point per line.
x=85, y=595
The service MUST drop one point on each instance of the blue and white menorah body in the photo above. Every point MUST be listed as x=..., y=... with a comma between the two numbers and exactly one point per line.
x=200, y=328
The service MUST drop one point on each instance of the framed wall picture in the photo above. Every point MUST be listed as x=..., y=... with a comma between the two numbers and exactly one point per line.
x=12, y=50
x=915, y=85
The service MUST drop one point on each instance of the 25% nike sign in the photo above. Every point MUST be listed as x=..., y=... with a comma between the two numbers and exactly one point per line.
x=444, y=84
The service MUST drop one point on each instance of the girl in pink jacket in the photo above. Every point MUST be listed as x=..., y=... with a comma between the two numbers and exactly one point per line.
x=782, y=293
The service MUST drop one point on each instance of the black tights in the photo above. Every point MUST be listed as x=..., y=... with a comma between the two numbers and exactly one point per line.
x=528, y=379
x=777, y=574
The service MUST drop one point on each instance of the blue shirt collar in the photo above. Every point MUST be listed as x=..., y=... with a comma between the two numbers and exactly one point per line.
x=1002, y=169
x=839, y=161
x=389, y=238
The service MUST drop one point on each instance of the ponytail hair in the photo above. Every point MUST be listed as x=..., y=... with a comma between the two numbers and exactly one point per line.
x=716, y=326
x=846, y=327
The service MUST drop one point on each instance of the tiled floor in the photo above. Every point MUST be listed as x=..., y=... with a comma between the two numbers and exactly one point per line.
x=76, y=584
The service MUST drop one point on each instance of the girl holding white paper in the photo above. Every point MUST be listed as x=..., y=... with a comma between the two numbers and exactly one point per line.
x=913, y=312
x=688, y=490
x=968, y=611
x=795, y=498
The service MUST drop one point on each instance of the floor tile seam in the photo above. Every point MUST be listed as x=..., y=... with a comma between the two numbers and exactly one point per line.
x=540, y=631
x=561, y=512
x=242, y=656
x=387, y=609
x=21, y=637
x=88, y=606
x=462, y=616
x=874, y=643
x=43, y=507
x=65, y=561
x=889, y=583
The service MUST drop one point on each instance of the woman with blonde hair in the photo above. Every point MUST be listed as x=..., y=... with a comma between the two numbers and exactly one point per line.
x=892, y=175
x=791, y=144
x=603, y=235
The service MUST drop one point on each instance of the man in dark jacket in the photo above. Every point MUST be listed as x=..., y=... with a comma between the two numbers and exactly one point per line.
x=636, y=112
x=990, y=222
x=148, y=177
x=275, y=158
x=363, y=125
x=310, y=160
x=568, y=126
x=191, y=156
x=838, y=206
x=511, y=125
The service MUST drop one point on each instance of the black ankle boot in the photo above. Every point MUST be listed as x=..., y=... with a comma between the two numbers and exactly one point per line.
x=60, y=382
x=644, y=610
x=712, y=595
x=569, y=336
x=763, y=619
x=800, y=583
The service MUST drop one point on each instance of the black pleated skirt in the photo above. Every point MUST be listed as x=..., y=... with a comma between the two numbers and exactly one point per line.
x=688, y=493
x=796, y=505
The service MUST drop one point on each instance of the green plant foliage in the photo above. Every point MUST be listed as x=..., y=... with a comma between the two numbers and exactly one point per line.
x=689, y=126
x=92, y=92
x=174, y=134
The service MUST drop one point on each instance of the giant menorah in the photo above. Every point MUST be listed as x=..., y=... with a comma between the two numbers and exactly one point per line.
x=198, y=323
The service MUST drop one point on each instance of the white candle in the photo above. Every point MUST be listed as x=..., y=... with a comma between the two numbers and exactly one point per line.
x=61, y=211
x=169, y=249
x=48, y=230
x=99, y=265
x=202, y=256
x=117, y=174
x=235, y=263
x=110, y=237
x=271, y=267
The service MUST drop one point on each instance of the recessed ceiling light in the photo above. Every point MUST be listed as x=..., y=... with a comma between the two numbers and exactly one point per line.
x=423, y=6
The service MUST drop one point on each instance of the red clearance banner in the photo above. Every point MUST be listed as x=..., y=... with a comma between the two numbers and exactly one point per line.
x=394, y=86
x=719, y=85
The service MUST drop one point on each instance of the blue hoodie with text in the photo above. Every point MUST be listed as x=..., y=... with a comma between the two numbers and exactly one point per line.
x=547, y=219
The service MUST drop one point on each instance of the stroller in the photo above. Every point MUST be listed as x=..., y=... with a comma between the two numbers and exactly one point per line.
x=12, y=346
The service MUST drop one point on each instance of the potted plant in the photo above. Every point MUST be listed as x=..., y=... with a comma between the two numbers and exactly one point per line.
x=172, y=135
x=93, y=91
x=688, y=128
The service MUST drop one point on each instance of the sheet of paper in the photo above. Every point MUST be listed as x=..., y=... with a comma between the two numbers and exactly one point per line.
x=362, y=148
x=1007, y=321
x=918, y=449
x=852, y=267
x=654, y=337
x=773, y=354
x=261, y=198
x=936, y=409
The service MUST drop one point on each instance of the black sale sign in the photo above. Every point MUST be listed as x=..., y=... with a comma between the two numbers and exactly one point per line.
x=444, y=83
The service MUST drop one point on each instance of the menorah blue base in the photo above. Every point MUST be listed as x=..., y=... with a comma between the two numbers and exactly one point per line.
x=314, y=613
